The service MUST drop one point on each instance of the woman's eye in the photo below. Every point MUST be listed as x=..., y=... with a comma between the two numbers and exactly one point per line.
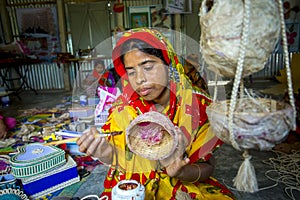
x=130, y=73
x=148, y=67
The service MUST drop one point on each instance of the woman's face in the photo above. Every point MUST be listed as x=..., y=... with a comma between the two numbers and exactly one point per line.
x=148, y=76
x=99, y=68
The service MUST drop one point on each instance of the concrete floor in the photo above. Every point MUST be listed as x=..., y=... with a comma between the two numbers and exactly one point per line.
x=228, y=162
x=228, y=159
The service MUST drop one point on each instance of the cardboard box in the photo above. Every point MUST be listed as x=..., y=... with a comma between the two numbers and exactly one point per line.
x=93, y=101
x=81, y=112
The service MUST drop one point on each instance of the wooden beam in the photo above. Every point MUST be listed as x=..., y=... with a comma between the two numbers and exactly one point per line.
x=11, y=3
x=8, y=38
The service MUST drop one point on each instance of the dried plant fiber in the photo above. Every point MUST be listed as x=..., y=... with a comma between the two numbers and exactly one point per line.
x=221, y=25
x=258, y=123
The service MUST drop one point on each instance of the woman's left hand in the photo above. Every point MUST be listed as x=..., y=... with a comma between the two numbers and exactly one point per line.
x=176, y=161
x=175, y=168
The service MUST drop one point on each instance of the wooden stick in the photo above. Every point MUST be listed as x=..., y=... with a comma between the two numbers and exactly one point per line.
x=74, y=139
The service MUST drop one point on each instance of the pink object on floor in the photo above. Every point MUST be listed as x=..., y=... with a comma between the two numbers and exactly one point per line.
x=10, y=122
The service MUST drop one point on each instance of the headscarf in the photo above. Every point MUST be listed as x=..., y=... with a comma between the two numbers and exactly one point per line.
x=156, y=40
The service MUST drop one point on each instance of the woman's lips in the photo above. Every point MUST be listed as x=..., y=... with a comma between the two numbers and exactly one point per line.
x=144, y=91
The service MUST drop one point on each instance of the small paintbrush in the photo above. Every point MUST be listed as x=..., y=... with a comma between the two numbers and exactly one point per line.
x=74, y=139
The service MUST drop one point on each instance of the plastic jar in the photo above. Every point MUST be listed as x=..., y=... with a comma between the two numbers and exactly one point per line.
x=130, y=193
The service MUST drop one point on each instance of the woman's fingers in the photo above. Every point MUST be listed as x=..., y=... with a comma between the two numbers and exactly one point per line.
x=94, y=146
x=81, y=139
x=175, y=168
x=93, y=130
x=86, y=139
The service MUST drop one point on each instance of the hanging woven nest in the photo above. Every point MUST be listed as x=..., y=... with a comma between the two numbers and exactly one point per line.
x=258, y=123
x=152, y=135
x=221, y=33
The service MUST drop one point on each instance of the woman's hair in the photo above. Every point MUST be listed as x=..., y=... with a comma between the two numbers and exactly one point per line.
x=98, y=61
x=142, y=46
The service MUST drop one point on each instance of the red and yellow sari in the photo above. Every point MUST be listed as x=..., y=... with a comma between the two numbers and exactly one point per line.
x=186, y=110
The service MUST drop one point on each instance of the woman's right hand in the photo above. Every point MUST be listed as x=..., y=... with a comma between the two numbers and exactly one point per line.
x=96, y=146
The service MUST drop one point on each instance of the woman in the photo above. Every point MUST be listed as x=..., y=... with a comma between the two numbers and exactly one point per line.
x=98, y=77
x=154, y=80
x=104, y=77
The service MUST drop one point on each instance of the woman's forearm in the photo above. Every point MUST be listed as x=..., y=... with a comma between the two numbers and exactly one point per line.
x=196, y=172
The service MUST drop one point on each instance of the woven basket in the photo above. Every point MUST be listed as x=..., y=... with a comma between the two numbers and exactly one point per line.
x=257, y=125
x=222, y=30
x=152, y=135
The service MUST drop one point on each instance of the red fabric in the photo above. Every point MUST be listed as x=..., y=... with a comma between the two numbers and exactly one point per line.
x=118, y=7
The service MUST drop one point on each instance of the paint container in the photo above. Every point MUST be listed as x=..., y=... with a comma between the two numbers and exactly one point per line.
x=83, y=100
x=128, y=190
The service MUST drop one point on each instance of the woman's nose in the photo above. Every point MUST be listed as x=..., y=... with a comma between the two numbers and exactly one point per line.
x=140, y=76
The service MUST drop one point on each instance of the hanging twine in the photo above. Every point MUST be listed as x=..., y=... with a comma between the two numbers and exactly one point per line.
x=287, y=62
x=286, y=170
x=239, y=71
x=215, y=88
x=245, y=179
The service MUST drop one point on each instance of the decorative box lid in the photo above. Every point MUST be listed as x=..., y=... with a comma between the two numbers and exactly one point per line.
x=70, y=163
x=35, y=158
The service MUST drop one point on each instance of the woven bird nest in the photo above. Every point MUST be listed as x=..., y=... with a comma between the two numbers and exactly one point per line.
x=152, y=135
x=222, y=24
x=258, y=123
